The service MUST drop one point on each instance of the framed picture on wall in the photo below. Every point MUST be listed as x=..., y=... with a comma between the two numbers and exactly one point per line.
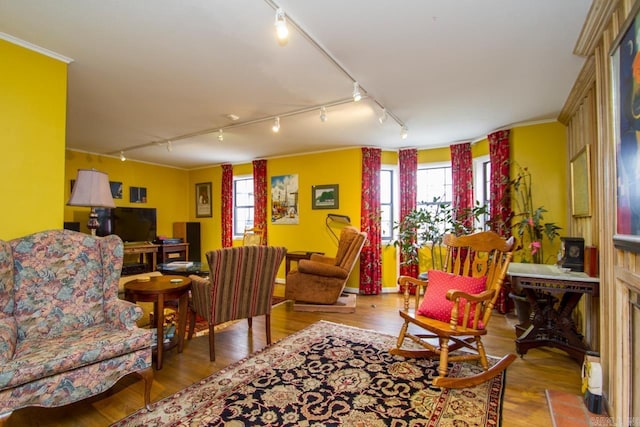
x=325, y=197
x=116, y=189
x=625, y=79
x=581, y=183
x=203, y=200
x=284, y=199
x=137, y=194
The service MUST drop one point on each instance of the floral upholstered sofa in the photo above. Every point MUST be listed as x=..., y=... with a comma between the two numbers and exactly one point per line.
x=64, y=334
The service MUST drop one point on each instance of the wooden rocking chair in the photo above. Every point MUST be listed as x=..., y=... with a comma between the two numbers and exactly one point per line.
x=457, y=305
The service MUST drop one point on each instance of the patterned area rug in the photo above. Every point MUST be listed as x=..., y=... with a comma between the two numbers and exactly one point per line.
x=202, y=328
x=328, y=374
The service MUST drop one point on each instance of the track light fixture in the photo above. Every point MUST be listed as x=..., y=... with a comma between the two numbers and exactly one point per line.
x=357, y=96
x=169, y=146
x=276, y=125
x=220, y=135
x=383, y=116
x=122, y=157
x=323, y=114
x=404, y=132
x=282, y=32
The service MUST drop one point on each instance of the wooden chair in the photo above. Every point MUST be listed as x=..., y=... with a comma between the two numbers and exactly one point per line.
x=253, y=237
x=452, y=318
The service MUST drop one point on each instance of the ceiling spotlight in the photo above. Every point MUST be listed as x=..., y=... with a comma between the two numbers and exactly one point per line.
x=357, y=96
x=404, y=132
x=122, y=157
x=383, y=116
x=169, y=146
x=220, y=135
x=276, y=125
x=323, y=114
x=281, y=27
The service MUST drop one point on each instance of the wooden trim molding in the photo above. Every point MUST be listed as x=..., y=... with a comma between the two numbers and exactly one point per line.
x=584, y=82
x=594, y=25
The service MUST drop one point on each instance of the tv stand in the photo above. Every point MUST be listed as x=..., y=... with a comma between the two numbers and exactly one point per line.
x=147, y=254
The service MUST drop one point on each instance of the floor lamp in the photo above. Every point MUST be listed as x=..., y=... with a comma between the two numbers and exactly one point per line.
x=92, y=190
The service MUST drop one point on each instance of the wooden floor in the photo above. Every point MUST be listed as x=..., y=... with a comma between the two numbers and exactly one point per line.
x=524, y=402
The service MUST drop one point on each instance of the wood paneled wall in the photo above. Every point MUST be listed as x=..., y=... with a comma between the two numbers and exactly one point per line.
x=589, y=120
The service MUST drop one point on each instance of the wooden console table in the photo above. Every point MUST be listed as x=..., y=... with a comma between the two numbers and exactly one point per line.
x=148, y=252
x=552, y=324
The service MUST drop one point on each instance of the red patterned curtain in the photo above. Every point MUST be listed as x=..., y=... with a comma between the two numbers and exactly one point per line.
x=500, y=199
x=408, y=162
x=462, y=180
x=260, y=195
x=226, y=207
x=371, y=256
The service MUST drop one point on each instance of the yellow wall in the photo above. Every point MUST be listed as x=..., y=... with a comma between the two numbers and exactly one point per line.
x=33, y=98
x=167, y=188
x=541, y=149
x=311, y=234
x=210, y=228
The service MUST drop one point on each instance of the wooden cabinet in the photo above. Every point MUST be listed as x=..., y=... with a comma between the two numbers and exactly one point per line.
x=174, y=252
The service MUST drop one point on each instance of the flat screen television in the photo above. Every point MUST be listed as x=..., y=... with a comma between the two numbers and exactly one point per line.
x=131, y=224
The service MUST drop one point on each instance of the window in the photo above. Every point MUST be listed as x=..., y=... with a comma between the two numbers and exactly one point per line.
x=243, y=203
x=386, y=204
x=482, y=186
x=434, y=182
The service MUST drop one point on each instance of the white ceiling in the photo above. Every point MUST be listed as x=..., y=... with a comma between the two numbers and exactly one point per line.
x=148, y=71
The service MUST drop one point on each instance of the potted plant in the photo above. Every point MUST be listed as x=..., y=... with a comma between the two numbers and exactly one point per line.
x=531, y=230
x=426, y=227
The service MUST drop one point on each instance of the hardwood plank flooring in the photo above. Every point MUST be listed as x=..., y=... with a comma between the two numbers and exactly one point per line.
x=525, y=403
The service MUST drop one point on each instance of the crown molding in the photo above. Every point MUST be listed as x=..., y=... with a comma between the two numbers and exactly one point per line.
x=594, y=25
x=35, y=48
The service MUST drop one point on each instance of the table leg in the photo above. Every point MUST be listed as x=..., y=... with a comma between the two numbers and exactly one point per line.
x=553, y=327
x=182, y=319
x=159, y=315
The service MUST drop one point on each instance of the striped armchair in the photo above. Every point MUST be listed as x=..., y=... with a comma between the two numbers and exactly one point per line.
x=240, y=286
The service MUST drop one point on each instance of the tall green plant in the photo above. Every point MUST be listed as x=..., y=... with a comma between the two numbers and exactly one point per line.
x=425, y=227
x=528, y=221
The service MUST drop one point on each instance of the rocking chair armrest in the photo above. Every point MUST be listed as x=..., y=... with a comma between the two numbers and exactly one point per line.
x=405, y=281
x=454, y=294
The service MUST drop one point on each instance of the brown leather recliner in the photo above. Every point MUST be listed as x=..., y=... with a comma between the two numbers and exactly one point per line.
x=321, y=279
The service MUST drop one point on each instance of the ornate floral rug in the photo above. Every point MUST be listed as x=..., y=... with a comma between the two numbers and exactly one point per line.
x=328, y=374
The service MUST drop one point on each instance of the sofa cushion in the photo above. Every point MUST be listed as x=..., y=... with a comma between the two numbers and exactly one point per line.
x=38, y=358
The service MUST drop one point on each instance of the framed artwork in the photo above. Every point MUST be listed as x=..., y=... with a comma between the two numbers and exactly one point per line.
x=325, y=197
x=203, y=200
x=137, y=194
x=284, y=199
x=581, y=183
x=625, y=56
x=116, y=189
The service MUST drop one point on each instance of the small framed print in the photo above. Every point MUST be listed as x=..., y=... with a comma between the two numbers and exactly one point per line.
x=325, y=197
x=203, y=200
x=138, y=194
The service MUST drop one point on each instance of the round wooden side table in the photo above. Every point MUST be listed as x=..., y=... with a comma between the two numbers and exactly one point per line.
x=157, y=290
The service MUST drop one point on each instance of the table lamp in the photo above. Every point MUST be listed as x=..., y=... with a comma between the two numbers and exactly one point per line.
x=92, y=190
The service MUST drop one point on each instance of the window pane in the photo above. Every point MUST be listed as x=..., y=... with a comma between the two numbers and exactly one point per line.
x=386, y=203
x=434, y=183
x=243, y=203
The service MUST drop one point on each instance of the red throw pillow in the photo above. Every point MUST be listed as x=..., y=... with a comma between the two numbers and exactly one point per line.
x=435, y=303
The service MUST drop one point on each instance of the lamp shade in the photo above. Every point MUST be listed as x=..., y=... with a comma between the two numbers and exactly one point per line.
x=91, y=189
